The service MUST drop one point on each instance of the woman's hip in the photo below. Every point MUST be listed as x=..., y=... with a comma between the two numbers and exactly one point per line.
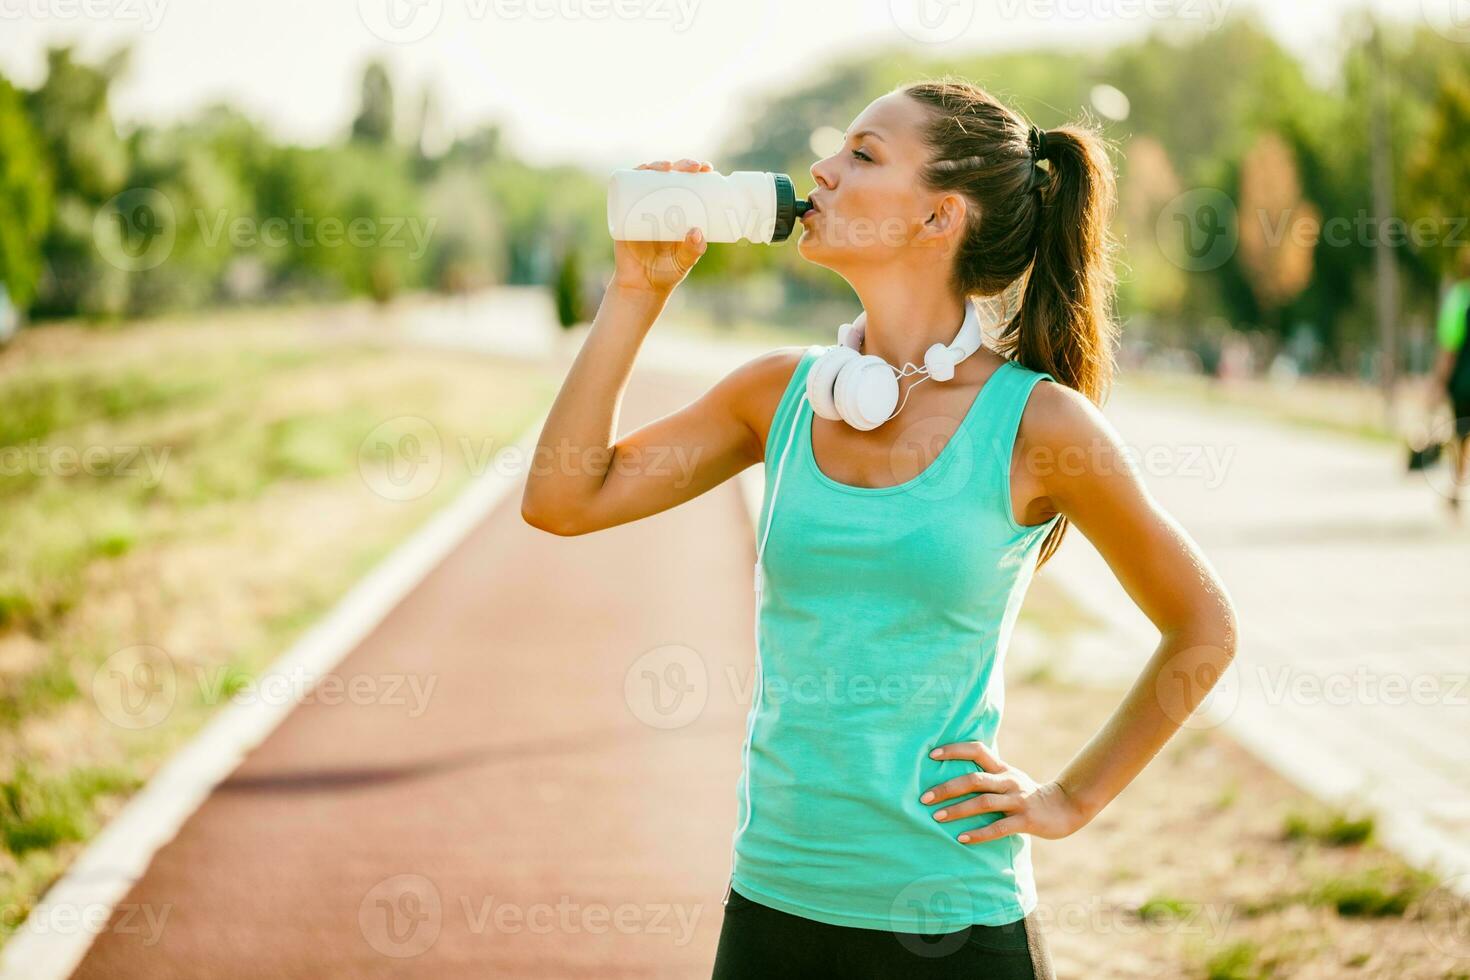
x=759, y=941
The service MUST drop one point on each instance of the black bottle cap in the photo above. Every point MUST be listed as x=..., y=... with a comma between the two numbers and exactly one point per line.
x=788, y=208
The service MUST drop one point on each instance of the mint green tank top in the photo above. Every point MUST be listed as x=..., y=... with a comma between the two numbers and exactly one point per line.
x=883, y=630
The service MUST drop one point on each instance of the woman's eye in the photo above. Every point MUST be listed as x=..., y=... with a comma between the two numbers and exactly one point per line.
x=860, y=154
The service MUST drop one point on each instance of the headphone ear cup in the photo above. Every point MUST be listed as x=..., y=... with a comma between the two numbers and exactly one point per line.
x=940, y=361
x=821, y=380
x=866, y=392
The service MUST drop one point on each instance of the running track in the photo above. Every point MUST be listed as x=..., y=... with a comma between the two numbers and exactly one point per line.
x=536, y=820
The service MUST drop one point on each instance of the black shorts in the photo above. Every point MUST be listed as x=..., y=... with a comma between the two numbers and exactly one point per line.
x=757, y=941
x=1462, y=418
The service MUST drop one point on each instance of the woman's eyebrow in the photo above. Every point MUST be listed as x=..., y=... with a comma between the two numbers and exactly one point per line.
x=864, y=132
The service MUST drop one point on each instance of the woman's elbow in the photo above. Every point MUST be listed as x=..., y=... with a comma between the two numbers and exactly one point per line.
x=552, y=520
x=1219, y=627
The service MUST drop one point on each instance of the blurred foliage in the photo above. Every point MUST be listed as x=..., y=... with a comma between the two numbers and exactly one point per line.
x=1191, y=127
x=374, y=123
x=25, y=198
x=569, y=286
x=246, y=218
x=101, y=224
x=89, y=162
x=1439, y=169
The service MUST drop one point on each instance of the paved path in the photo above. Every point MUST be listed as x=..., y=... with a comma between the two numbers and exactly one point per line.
x=1354, y=597
x=561, y=807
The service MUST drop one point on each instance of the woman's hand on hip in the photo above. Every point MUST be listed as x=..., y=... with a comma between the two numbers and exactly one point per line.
x=1039, y=809
x=659, y=266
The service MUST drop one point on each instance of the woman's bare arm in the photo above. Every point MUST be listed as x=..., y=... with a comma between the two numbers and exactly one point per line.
x=1162, y=570
x=1071, y=450
x=582, y=480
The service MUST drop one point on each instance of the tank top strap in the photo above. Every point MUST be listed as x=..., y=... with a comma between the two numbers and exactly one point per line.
x=780, y=430
x=998, y=428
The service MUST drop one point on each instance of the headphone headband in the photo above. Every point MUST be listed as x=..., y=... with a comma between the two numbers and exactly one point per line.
x=940, y=359
x=862, y=389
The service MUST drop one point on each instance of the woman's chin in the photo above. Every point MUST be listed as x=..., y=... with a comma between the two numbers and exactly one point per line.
x=809, y=247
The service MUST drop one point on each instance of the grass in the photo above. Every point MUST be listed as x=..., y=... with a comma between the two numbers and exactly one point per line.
x=38, y=812
x=1332, y=827
x=1164, y=908
x=1238, y=961
x=227, y=503
x=1373, y=891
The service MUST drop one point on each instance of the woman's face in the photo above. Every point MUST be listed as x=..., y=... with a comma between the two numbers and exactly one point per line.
x=870, y=205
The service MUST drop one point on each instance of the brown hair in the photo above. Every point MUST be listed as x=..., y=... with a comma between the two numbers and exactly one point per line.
x=1053, y=220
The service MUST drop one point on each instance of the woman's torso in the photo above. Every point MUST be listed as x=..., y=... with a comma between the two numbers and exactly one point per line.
x=883, y=628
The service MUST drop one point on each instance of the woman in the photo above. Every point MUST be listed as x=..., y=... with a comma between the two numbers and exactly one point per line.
x=881, y=832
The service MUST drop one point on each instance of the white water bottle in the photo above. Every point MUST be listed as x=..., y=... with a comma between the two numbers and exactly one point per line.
x=662, y=205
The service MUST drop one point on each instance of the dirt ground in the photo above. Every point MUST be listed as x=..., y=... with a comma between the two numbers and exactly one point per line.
x=1190, y=872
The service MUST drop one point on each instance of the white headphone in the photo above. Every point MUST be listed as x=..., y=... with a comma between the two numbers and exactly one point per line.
x=862, y=389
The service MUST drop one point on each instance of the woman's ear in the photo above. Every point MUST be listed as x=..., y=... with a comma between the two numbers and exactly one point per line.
x=948, y=216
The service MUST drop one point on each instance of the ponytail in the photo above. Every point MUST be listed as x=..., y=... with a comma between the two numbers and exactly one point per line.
x=1043, y=205
x=1065, y=325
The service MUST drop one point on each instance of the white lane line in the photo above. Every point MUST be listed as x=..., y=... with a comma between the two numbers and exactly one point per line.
x=52, y=941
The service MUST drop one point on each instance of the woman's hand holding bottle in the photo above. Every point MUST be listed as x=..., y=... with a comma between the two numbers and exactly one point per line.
x=657, y=267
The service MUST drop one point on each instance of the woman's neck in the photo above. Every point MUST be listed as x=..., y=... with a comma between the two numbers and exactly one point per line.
x=902, y=325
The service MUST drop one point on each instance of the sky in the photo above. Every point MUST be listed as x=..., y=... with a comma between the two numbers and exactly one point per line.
x=602, y=83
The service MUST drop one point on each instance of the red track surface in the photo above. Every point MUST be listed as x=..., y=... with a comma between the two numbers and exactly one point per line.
x=529, y=822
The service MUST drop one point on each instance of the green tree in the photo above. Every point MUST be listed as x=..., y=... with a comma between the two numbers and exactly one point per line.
x=89, y=161
x=374, y=122
x=25, y=199
x=569, y=286
x=1438, y=177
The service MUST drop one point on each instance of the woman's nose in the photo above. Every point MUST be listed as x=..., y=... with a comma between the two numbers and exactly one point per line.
x=819, y=174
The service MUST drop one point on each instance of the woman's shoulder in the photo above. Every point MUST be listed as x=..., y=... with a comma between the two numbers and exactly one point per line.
x=757, y=386
x=766, y=376
x=1061, y=418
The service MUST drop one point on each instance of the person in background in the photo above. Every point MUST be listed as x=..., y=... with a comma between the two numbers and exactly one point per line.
x=1452, y=371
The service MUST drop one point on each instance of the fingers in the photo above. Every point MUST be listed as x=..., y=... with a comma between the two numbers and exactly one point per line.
x=975, y=751
x=686, y=163
x=692, y=248
x=1003, y=827
x=984, y=803
x=688, y=251
x=970, y=782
